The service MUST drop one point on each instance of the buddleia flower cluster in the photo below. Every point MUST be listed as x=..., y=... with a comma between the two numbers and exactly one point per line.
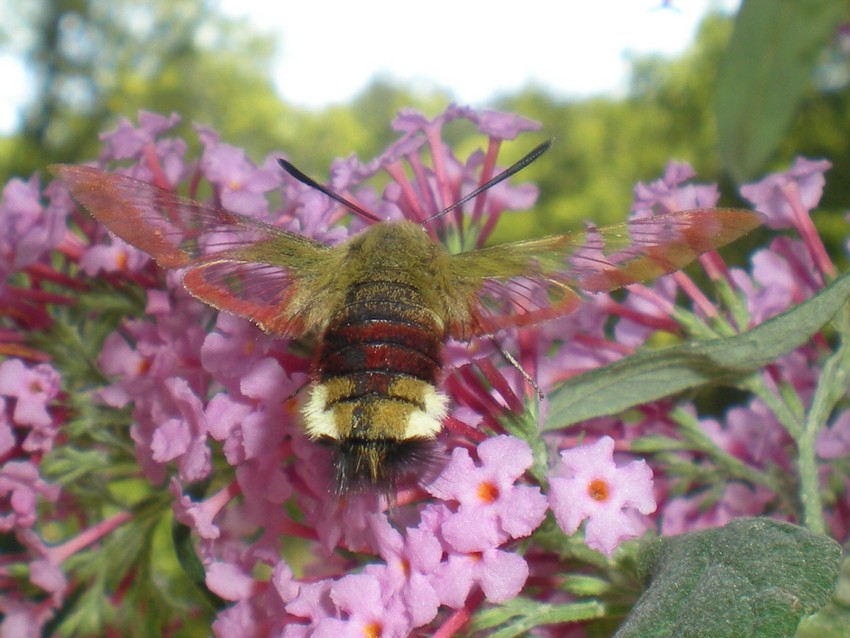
x=155, y=477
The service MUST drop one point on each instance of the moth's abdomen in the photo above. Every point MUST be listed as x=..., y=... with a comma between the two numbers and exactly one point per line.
x=380, y=344
x=374, y=397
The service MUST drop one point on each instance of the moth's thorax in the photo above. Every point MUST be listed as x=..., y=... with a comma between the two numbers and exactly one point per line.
x=398, y=252
x=374, y=377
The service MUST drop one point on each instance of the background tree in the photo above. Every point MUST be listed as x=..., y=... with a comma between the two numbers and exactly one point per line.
x=97, y=60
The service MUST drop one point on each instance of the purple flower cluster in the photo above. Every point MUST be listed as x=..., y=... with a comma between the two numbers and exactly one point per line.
x=214, y=401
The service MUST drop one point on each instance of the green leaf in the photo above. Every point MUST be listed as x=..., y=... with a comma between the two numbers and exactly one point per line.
x=184, y=548
x=652, y=375
x=753, y=578
x=834, y=619
x=520, y=615
x=765, y=73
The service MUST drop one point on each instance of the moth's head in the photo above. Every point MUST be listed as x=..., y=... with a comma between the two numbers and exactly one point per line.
x=373, y=218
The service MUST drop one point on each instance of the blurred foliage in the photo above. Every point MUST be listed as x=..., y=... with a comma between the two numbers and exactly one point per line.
x=98, y=60
x=764, y=73
x=604, y=146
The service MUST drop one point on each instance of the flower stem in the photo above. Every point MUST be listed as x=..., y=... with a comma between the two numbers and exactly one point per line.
x=832, y=385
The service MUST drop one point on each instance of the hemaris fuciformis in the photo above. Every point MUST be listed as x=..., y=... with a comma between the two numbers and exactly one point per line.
x=382, y=303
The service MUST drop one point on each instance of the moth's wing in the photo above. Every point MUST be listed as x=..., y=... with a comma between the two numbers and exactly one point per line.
x=233, y=262
x=523, y=283
x=507, y=285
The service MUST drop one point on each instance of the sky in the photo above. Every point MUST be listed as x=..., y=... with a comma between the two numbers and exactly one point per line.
x=478, y=49
x=329, y=50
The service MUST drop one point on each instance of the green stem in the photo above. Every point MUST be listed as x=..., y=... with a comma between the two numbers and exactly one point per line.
x=832, y=385
x=777, y=404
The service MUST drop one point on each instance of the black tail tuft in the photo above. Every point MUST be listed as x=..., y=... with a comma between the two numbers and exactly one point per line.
x=384, y=465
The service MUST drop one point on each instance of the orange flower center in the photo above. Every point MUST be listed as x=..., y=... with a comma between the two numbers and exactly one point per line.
x=598, y=490
x=372, y=630
x=291, y=405
x=488, y=492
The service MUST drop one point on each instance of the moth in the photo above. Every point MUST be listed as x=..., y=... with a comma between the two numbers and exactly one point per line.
x=382, y=303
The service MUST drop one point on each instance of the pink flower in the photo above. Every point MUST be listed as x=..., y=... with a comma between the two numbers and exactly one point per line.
x=500, y=574
x=266, y=489
x=20, y=488
x=229, y=581
x=199, y=516
x=783, y=276
x=33, y=388
x=128, y=141
x=588, y=485
x=236, y=620
x=8, y=440
x=788, y=199
x=505, y=126
x=23, y=618
x=671, y=193
x=834, y=441
x=226, y=417
x=411, y=120
x=704, y=509
x=182, y=431
x=751, y=433
x=410, y=561
x=363, y=611
x=492, y=509
x=241, y=185
x=159, y=160
x=777, y=194
x=232, y=346
x=312, y=602
x=47, y=576
x=30, y=230
x=115, y=257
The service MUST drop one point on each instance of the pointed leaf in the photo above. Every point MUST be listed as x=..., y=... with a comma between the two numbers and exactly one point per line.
x=517, y=617
x=765, y=73
x=652, y=375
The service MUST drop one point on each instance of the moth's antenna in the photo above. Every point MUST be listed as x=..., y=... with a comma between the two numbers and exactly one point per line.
x=505, y=174
x=516, y=364
x=309, y=181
